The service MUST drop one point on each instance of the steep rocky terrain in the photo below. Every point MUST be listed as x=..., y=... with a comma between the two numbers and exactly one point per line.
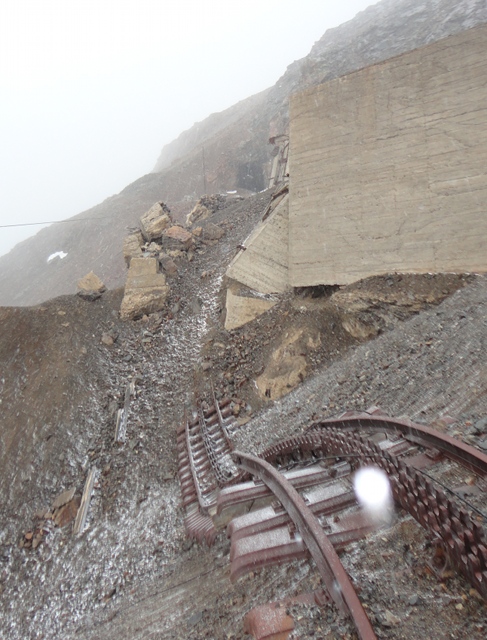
x=417, y=348
x=415, y=345
x=227, y=151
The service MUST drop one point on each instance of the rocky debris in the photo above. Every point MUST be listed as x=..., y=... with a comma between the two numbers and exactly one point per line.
x=288, y=363
x=126, y=513
x=63, y=511
x=132, y=247
x=155, y=221
x=205, y=206
x=168, y=265
x=90, y=287
x=373, y=305
x=212, y=231
x=146, y=290
x=177, y=237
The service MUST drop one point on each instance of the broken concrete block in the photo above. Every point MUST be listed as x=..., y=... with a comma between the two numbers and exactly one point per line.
x=145, y=289
x=132, y=247
x=155, y=221
x=241, y=310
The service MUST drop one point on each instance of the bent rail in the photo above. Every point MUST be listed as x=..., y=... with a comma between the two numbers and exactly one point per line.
x=331, y=569
x=463, y=453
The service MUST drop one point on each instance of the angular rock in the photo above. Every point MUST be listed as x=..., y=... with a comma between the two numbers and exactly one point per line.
x=388, y=619
x=67, y=513
x=199, y=212
x=243, y=309
x=90, y=286
x=63, y=498
x=132, y=247
x=212, y=232
x=205, y=206
x=145, y=289
x=155, y=221
x=168, y=265
x=177, y=238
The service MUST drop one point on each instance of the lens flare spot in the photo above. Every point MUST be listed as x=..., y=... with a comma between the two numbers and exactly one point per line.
x=373, y=491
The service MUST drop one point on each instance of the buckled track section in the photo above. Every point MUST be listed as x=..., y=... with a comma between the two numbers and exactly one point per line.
x=205, y=465
x=464, y=538
x=315, y=540
x=318, y=463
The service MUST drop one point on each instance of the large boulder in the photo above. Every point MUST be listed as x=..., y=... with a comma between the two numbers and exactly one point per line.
x=145, y=290
x=154, y=221
x=177, y=238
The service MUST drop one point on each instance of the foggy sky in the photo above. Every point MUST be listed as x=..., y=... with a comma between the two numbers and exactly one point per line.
x=90, y=92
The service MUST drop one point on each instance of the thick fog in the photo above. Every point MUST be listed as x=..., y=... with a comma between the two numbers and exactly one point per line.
x=90, y=92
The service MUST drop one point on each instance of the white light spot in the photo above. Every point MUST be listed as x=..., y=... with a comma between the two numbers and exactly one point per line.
x=58, y=254
x=373, y=492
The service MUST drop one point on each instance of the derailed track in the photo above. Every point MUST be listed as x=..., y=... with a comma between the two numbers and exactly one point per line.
x=464, y=537
x=320, y=463
x=331, y=569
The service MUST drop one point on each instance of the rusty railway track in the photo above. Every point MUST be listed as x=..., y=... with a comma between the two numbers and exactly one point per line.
x=205, y=465
x=316, y=512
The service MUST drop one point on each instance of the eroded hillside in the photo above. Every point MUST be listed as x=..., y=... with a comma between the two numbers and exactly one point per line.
x=227, y=151
x=68, y=364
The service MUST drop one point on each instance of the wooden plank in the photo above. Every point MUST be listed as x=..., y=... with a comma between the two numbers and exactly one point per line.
x=82, y=514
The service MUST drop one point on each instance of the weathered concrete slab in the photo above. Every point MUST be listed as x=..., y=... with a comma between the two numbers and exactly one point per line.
x=132, y=247
x=388, y=167
x=243, y=309
x=263, y=265
x=145, y=290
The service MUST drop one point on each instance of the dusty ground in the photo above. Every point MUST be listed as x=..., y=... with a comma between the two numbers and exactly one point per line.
x=132, y=574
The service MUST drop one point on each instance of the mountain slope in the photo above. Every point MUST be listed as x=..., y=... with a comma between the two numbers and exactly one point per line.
x=227, y=151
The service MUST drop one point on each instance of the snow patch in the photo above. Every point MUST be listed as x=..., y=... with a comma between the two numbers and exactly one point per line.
x=58, y=254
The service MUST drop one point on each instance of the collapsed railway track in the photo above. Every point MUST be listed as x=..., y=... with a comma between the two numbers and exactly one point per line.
x=296, y=499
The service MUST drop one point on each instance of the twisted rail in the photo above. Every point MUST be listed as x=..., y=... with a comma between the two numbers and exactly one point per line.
x=331, y=569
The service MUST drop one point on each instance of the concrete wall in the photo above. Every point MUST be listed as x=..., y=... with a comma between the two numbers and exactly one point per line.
x=388, y=167
x=263, y=266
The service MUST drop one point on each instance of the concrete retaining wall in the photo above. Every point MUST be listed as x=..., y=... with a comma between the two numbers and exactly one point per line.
x=388, y=167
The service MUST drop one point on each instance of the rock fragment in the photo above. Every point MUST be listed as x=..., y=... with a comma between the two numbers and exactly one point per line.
x=90, y=287
x=212, y=232
x=155, y=221
x=176, y=237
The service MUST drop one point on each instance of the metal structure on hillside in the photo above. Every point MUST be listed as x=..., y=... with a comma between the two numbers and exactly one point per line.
x=300, y=502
